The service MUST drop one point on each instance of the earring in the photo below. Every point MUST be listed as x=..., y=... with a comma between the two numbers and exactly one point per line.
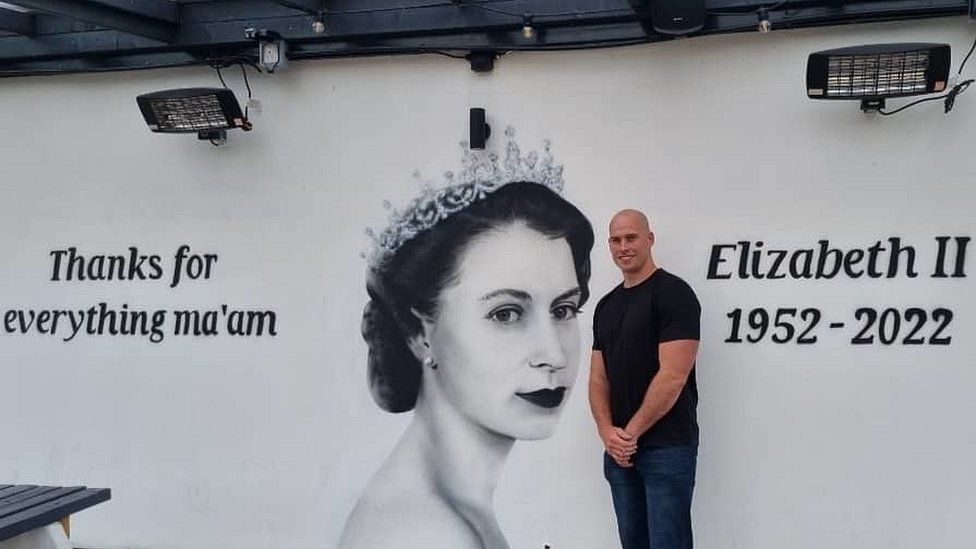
x=429, y=363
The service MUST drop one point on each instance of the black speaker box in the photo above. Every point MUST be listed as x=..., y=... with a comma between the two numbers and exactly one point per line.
x=677, y=16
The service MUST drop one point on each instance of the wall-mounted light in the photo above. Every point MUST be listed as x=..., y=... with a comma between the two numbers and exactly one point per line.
x=272, y=49
x=872, y=73
x=479, y=129
x=208, y=112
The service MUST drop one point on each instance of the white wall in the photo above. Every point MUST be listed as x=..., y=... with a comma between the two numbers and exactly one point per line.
x=267, y=442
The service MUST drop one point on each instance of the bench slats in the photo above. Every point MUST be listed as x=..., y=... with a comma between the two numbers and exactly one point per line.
x=14, y=490
x=21, y=496
x=46, y=510
x=46, y=494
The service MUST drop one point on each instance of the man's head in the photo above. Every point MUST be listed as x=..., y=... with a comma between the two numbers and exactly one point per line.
x=630, y=242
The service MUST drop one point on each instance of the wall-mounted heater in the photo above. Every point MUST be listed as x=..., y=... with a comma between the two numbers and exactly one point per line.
x=870, y=74
x=208, y=112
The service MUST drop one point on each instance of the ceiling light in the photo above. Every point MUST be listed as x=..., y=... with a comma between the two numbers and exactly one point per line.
x=528, y=31
x=208, y=112
x=318, y=24
x=875, y=72
x=764, y=24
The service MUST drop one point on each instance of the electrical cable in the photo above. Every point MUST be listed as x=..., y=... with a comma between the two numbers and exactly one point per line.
x=967, y=58
x=221, y=77
x=248, y=86
x=949, y=97
x=246, y=82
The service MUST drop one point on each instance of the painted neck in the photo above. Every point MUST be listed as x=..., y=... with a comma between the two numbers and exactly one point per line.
x=462, y=460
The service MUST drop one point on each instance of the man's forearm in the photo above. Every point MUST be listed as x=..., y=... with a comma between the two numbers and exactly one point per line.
x=658, y=400
x=600, y=405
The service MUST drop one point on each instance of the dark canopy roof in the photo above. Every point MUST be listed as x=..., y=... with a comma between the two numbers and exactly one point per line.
x=55, y=36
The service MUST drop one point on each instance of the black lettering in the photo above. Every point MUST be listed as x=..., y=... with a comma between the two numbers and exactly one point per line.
x=185, y=320
x=75, y=261
x=42, y=319
x=961, y=243
x=873, y=252
x=756, y=257
x=95, y=266
x=116, y=268
x=715, y=260
x=802, y=269
x=744, y=259
x=940, y=259
x=852, y=258
x=826, y=252
x=896, y=251
x=158, y=318
x=155, y=263
x=135, y=264
x=56, y=268
x=778, y=256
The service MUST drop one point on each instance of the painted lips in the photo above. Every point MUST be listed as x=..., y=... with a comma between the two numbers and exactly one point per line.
x=546, y=398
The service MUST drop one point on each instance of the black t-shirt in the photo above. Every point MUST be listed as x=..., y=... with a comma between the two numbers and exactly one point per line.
x=628, y=326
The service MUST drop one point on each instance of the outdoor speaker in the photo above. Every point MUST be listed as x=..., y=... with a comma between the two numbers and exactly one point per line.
x=480, y=130
x=677, y=16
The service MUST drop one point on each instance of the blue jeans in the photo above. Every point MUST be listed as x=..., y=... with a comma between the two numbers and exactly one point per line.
x=652, y=499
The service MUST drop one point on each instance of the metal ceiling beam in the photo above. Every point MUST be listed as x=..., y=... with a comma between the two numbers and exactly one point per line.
x=214, y=30
x=163, y=10
x=308, y=6
x=156, y=19
x=17, y=22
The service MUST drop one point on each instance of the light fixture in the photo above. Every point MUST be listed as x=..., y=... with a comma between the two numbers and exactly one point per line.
x=478, y=127
x=272, y=48
x=528, y=31
x=874, y=72
x=676, y=17
x=318, y=24
x=481, y=61
x=208, y=112
x=764, y=23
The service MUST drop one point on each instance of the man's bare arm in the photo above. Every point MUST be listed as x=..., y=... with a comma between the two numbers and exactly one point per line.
x=618, y=443
x=677, y=359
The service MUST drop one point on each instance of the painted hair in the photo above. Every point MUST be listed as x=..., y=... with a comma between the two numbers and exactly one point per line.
x=412, y=278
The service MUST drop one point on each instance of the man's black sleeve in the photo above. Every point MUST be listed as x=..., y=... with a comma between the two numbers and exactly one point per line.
x=680, y=313
x=597, y=344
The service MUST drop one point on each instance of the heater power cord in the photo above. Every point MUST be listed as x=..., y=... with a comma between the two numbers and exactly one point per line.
x=949, y=97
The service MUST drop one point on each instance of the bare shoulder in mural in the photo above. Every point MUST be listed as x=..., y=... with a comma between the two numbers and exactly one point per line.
x=471, y=324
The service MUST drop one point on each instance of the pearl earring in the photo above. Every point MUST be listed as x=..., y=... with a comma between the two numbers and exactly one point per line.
x=429, y=363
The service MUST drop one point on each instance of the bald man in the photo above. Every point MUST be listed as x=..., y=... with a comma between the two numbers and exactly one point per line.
x=642, y=391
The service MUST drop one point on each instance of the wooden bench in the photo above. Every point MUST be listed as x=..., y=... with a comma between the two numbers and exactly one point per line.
x=24, y=508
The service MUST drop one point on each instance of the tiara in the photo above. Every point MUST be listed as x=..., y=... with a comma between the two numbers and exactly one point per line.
x=481, y=174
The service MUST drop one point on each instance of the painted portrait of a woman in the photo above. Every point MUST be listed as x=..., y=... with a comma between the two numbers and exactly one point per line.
x=471, y=325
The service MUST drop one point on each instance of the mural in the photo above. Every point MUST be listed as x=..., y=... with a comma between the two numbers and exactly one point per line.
x=195, y=328
x=474, y=291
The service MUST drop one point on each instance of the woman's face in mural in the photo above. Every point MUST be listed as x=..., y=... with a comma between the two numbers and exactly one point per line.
x=506, y=339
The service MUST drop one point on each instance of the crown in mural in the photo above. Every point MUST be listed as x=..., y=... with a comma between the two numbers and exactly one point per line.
x=482, y=173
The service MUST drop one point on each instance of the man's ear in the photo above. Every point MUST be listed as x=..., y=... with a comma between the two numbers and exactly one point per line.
x=650, y=236
x=419, y=343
